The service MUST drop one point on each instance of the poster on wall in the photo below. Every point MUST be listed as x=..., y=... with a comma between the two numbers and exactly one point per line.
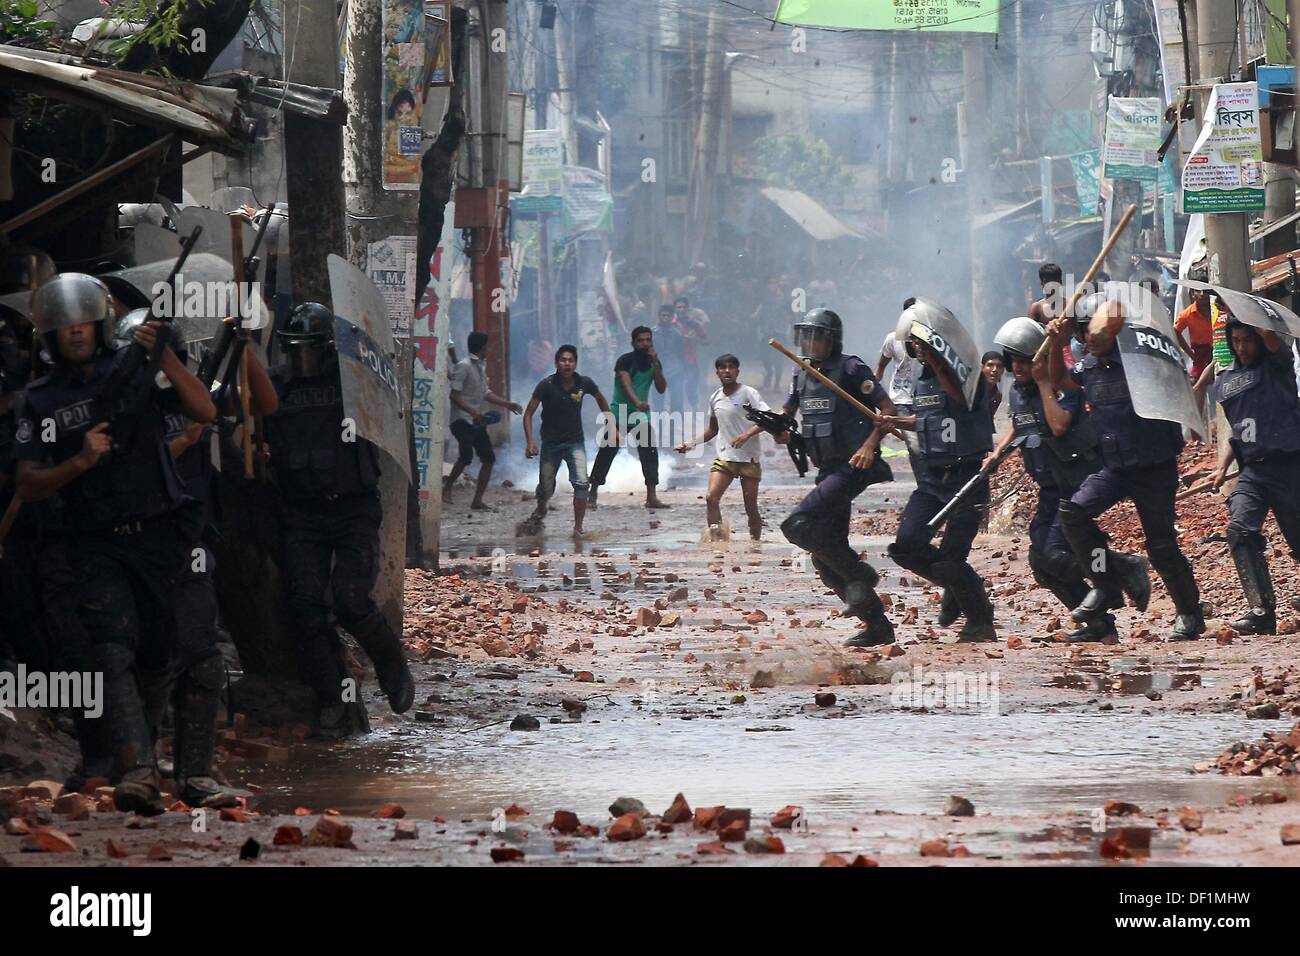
x=391, y=266
x=403, y=100
x=1132, y=138
x=1225, y=170
x=437, y=41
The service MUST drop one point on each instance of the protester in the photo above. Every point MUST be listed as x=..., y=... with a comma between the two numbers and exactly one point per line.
x=470, y=397
x=634, y=373
x=560, y=398
x=738, y=446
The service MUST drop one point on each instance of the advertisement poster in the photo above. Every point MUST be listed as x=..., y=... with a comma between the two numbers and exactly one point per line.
x=437, y=38
x=403, y=100
x=1225, y=171
x=543, y=172
x=391, y=265
x=1132, y=138
x=957, y=16
x=1087, y=179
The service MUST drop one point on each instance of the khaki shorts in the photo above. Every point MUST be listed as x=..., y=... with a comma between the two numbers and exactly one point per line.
x=738, y=469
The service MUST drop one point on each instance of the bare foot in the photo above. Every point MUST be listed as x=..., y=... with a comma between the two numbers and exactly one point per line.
x=656, y=503
x=479, y=506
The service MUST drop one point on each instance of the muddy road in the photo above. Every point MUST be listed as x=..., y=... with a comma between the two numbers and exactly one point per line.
x=651, y=664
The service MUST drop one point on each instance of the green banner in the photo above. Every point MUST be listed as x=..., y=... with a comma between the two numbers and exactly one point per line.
x=958, y=16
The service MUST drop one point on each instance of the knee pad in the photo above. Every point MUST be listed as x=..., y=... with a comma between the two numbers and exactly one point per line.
x=800, y=529
x=1072, y=516
x=1240, y=536
x=208, y=673
x=114, y=660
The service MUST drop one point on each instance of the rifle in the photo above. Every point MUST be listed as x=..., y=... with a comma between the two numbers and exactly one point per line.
x=779, y=423
x=982, y=475
x=113, y=394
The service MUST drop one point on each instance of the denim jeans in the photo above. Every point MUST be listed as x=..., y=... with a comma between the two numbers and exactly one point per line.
x=573, y=454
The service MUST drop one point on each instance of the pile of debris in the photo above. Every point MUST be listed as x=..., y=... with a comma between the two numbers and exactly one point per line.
x=1273, y=756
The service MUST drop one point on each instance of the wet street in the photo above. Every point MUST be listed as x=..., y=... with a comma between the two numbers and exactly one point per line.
x=719, y=701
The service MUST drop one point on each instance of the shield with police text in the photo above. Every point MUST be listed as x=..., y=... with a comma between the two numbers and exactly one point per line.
x=372, y=393
x=1158, y=385
x=1252, y=310
x=937, y=327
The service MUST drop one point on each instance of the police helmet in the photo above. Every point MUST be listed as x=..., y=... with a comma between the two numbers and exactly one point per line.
x=1020, y=337
x=25, y=267
x=310, y=322
x=73, y=298
x=816, y=324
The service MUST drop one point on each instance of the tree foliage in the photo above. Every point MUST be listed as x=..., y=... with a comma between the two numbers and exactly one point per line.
x=811, y=166
x=21, y=22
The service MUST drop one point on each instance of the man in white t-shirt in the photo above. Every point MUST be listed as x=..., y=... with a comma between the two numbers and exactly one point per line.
x=901, y=382
x=737, y=446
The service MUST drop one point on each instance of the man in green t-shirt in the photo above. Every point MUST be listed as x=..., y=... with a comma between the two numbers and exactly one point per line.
x=634, y=372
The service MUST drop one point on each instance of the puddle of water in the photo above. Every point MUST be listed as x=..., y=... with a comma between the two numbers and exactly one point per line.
x=1122, y=675
x=1011, y=764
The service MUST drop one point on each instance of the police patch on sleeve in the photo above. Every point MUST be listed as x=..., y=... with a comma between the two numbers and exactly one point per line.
x=24, y=431
x=868, y=386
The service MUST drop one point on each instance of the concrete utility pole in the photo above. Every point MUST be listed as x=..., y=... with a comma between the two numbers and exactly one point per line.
x=484, y=205
x=1225, y=233
x=374, y=213
x=313, y=151
x=703, y=201
x=977, y=156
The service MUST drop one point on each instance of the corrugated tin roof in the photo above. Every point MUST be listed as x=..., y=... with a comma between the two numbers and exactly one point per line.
x=201, y=114
x=815, y=219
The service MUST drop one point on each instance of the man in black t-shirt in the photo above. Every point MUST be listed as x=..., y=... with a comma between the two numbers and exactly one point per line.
x=560, y=397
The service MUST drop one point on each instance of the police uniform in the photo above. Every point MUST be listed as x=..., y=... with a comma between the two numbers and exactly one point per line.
x=1058, y=466
x=20, y=634
x=1139, y=461
x=1261, y=405
x=331, y=512
x=833, y=430
x=952, y=441
x=120, y=541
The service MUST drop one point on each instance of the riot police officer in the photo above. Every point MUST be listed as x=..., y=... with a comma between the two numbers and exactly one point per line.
x=844, y=444
x=200, y=670
x=954, y=434
x=328, y=480
x=1258, y=395
x=1139, y=461
x=92, y=431
x=1060, y=450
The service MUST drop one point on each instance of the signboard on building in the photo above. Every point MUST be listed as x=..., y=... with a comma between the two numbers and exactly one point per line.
x=1225, y=171
x=1132, y=138
x=958, y=16
x=1087, y=179
x=543, y=172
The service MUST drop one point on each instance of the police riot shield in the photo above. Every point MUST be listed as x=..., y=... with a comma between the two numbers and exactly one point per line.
x=372, y=393
x=150, y=243
x=1252, y=309
x=935, y=326
x=1158, y=385
x=199, y=300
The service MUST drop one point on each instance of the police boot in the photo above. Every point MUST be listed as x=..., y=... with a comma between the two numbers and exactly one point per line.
x=1097, y=629
x=871, y=611
x=155, y=690
x=385, y=650
x=198, y=701
x=138, y=789
x=1257, y=586
x=968, y=589
x=859, y=590
x=1177, y=575
x=1059, y=572
x=1134, y=574
x=949, y=609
